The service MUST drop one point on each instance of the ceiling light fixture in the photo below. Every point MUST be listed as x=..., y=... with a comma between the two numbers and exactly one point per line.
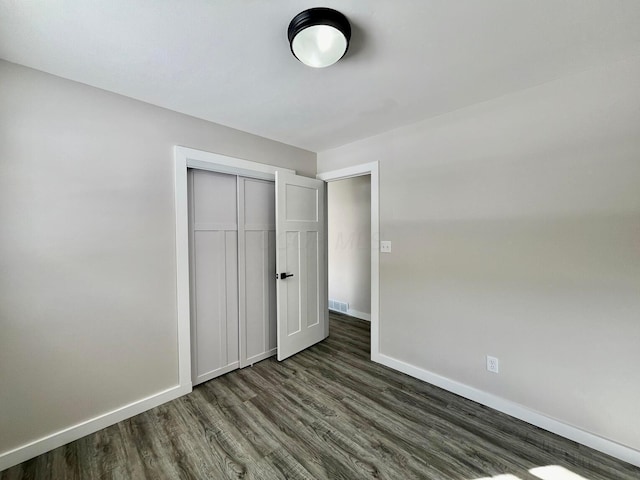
x=319, y=37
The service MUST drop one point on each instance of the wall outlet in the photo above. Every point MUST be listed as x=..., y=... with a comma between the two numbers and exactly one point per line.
x=493, y=364
x=385, y=246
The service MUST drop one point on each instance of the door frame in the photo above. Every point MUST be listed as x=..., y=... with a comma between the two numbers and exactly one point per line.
x=185, y=158
x=357, y=171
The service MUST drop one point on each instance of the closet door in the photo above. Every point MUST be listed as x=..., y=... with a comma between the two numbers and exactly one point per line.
x=257, y=269
x=213, y=229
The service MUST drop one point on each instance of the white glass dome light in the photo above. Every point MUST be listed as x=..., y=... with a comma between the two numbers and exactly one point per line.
x=319, y=37
x=319, y=46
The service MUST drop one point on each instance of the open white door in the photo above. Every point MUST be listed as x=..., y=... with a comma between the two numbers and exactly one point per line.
x=300, y=263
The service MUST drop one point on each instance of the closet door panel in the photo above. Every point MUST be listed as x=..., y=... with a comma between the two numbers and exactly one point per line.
x=259, y=204
x=232, y=317
x=273, y=306
x=257, y=264
x=256, y=292
x=214, y=274
x=216, y=296
x=215, y=201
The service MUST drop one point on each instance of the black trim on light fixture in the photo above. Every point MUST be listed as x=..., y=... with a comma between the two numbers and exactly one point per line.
x=319, y=16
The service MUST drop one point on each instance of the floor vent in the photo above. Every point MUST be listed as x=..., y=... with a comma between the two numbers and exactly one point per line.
x=337, y=306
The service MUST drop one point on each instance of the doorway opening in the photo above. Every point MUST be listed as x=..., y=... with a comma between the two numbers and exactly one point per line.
x=349, y=246
x=352, y=286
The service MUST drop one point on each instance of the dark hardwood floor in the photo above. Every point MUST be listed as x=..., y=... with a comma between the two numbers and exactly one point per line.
x=328, y=412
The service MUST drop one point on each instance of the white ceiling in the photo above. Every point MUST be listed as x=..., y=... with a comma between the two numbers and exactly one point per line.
x=228, y=61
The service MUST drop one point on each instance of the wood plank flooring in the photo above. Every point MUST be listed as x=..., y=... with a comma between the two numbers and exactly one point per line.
x=326, y=413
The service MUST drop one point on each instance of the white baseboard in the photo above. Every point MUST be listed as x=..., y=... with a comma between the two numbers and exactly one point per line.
x=360, y=315
x=516, y=410
x=354, y=313
x=62, y=437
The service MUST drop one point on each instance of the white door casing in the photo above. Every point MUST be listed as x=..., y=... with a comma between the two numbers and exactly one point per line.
x=300, y=263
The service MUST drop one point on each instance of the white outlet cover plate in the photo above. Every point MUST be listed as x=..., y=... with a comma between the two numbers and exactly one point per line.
x=493, y=364
x=385, y=246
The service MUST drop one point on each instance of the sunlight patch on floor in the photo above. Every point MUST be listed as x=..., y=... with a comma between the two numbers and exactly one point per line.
x=550, y=472
x=506, y=476
x=555, y=472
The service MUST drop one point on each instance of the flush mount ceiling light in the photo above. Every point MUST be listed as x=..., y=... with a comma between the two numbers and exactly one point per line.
x=319, y=37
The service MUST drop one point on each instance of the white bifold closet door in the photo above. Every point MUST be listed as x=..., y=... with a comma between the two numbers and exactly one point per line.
x=232, y=266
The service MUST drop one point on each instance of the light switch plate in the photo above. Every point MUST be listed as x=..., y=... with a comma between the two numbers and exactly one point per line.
x=385, y=246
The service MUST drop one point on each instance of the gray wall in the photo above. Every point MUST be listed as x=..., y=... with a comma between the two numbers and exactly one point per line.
x=87, y=252
x=516, y=227
x=349, y=237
